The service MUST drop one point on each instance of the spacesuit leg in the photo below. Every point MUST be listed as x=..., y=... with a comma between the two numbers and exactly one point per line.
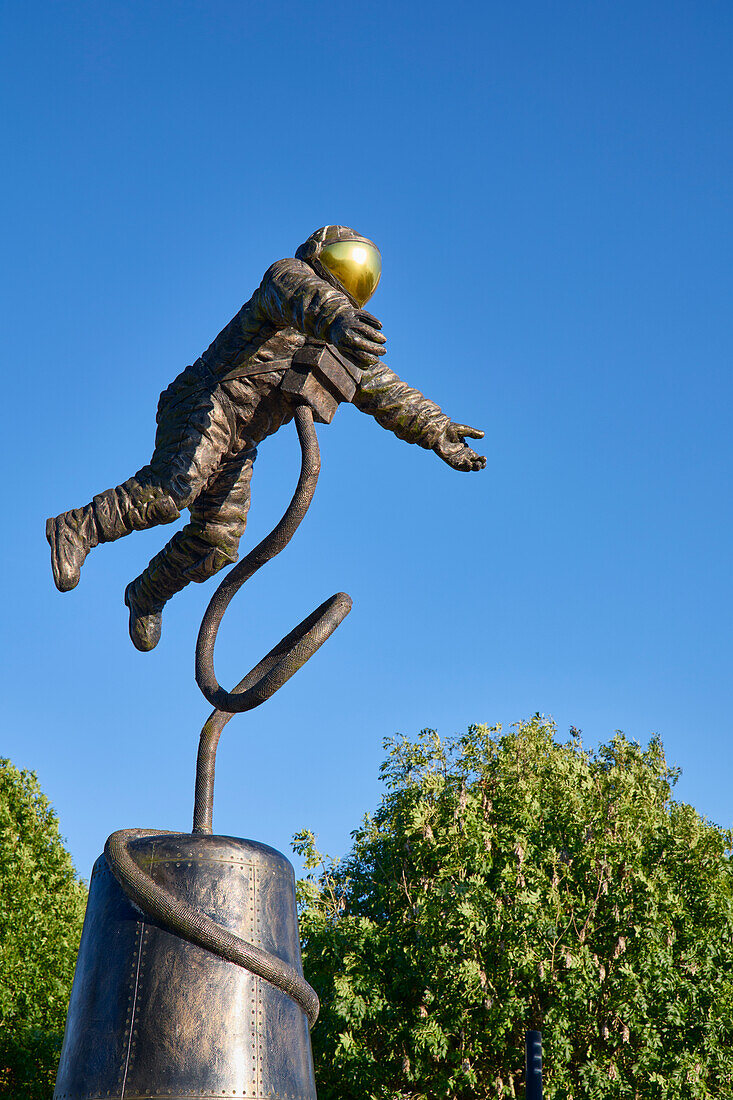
x=195, y=431
x=205, y=545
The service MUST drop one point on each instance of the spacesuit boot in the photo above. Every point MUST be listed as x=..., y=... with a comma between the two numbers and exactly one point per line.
x=145, y=623
x=132, y=506
x=187, y=557
x=71, y=536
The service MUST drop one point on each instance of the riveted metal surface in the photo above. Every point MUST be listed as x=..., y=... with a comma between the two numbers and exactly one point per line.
x=153, y=1015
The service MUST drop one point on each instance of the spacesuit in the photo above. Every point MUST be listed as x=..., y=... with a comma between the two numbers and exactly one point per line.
x=215, y=413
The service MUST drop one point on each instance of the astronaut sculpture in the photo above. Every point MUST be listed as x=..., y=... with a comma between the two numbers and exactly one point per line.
x=189, y=979
x=216, y=412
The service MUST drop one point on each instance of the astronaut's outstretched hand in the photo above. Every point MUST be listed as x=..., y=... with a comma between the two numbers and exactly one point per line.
x=358, y=334
x=454, y=450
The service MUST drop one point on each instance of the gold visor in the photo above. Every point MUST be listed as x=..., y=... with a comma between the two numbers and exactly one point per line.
x=356, y=264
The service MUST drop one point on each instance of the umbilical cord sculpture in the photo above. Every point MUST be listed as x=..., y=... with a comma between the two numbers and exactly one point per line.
x=257, y=686
x=297, y=349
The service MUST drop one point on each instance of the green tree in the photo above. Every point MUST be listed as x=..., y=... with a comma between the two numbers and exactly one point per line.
x=41, y=911
x=509, y=882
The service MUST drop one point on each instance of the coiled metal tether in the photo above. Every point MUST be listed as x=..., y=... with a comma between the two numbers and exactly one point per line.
x=255, y=688
x=290, y=654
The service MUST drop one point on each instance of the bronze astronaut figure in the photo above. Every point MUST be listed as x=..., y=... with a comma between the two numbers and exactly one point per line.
x=214, y=414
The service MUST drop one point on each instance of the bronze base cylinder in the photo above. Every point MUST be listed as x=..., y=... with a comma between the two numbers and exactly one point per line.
x=154, y=1016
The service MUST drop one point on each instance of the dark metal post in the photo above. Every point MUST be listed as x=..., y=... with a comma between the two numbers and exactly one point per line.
x=533, y=1044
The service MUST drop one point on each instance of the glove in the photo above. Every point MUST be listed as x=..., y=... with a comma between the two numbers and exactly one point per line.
x=357, y=334
x=452, y=448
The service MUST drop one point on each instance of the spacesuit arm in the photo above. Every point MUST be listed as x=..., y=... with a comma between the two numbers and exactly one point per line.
x=415, y=418
x=399, y=408
x=291, y=295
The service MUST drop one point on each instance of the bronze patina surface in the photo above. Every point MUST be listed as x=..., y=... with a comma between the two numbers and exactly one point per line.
x=213, y=416
x=153, y=1015
x=189, y=981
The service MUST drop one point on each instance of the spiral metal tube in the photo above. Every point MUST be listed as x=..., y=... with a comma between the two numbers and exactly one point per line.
x=275, y=669
x=300, y=644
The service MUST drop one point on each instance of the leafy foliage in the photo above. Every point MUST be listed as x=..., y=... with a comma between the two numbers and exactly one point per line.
x=510, y=882
x=41, y=912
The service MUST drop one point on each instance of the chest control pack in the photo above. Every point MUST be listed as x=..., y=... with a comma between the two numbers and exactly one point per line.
x=322, y=377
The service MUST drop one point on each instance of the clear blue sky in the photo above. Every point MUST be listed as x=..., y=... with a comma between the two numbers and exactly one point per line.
x=550, y=185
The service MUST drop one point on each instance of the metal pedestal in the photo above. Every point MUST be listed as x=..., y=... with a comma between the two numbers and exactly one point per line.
x=155, y=1016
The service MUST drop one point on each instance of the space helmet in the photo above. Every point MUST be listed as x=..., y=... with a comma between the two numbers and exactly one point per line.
x=345, y=259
